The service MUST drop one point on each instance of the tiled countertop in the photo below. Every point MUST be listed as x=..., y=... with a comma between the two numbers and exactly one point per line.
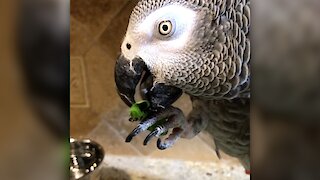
x=134, y=168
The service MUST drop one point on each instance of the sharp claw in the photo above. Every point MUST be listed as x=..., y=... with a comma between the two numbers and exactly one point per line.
x=129, y=138
x=134, y=119
x=141, y=127
x=151, y=135
x=160, y=145
x=136, y=131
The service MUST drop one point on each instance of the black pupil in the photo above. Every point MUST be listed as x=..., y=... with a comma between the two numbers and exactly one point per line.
x=165, y=27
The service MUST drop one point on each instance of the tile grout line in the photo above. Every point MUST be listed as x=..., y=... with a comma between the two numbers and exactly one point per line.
x=114, y=130
x=86, y=31
x=118, y=134
x=84, y=80
x=85, y=83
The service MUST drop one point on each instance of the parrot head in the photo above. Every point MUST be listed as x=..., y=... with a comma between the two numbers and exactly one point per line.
x=172, y=46
x=161, y=38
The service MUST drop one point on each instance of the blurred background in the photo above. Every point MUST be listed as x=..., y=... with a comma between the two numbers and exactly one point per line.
x=34, y=93
x=285, y=123
x=52, y=47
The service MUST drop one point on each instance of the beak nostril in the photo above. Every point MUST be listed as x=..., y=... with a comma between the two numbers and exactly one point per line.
x=128, y=46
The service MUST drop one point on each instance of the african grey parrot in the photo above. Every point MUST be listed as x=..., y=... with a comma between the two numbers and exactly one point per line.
x=201, y=48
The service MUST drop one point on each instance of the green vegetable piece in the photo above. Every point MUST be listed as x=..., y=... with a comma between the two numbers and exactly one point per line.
x=139, y=110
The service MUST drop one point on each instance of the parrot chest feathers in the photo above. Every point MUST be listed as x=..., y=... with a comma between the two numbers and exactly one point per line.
x=228, y=122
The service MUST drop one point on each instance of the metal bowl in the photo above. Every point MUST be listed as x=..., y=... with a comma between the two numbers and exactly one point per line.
x=85, y=157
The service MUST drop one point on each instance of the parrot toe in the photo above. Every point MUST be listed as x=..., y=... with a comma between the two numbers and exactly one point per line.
x=169, y=141
x=161, y=146
x=141, y=127
x=155, y=133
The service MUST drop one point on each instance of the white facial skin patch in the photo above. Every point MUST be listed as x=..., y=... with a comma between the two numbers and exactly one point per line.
x=147, y=42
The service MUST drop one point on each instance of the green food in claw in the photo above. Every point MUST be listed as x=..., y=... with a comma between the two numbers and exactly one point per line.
x=139, y=112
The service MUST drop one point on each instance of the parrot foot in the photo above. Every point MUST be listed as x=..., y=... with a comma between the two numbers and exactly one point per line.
x=166, y=119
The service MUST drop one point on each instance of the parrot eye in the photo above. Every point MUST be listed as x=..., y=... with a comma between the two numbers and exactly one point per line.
x=165, y=28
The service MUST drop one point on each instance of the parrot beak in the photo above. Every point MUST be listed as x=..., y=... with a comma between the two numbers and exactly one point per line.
x=128, y=75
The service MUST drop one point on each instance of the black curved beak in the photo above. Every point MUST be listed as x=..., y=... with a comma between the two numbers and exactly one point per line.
x=128, y=75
